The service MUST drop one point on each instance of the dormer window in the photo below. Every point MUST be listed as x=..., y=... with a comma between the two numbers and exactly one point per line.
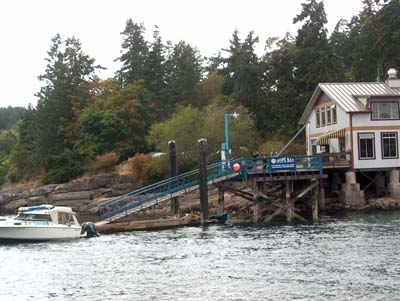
x=384, y=110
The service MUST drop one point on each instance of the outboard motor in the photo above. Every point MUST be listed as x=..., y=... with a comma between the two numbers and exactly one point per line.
x=90, y=229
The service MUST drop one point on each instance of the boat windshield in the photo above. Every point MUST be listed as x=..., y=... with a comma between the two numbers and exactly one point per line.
x=33, y=217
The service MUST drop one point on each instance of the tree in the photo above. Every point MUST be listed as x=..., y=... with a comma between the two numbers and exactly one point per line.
x=8, y=139
x=24, y=161
x=155, y=73
x=67, y=68
x=134, y=53
x=9, y=116
x=388, y=34
x=98, y=132
x=188, y=124
x=184, y=72
x=243, y=74
x=314, y=57
x=282, y=105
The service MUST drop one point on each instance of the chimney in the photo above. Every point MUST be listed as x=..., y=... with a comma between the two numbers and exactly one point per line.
x=393, y=81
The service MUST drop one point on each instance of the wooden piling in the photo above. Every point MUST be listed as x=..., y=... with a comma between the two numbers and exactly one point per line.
x=203, y=180
x=321, y=197
x=221, y=200
x=290, y=208
x=173, y=173
x=314, y=204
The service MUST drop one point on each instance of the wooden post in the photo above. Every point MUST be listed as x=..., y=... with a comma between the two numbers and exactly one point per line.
x=290, y=209
x=172, y=173
x=314, y=204
x=257, y=202
x=321, y=198
x=221, y=199
x=203, y=180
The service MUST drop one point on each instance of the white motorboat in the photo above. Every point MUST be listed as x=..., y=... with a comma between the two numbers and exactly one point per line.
x=43, y=222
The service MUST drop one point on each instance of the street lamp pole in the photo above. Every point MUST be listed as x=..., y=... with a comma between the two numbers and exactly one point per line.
x=227, y=115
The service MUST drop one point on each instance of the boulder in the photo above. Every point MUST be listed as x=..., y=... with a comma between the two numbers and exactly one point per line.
x=79, y=195
x=102, y=181
x=15, y=204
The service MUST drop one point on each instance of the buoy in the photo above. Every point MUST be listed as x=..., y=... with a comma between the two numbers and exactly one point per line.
x=236, y=167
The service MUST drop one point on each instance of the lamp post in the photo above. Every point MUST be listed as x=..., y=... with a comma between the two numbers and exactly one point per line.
x=227, y=115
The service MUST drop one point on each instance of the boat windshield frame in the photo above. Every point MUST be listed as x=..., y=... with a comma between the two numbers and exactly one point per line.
x=33, y=216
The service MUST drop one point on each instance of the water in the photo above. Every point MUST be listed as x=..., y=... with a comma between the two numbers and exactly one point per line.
x=352, y=257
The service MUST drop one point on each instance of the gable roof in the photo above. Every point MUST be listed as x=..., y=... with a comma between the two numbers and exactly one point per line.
x=346, y=95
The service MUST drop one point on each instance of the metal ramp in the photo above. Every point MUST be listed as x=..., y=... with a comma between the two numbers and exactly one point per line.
x=163, y=191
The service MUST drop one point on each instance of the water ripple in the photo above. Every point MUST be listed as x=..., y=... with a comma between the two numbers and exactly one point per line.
x=351, y=257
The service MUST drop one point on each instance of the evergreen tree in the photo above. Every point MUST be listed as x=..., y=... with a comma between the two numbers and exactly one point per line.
x=184, y=71
x=134, y=53
x=243, y=75
x=67, y=68
x=155, y=73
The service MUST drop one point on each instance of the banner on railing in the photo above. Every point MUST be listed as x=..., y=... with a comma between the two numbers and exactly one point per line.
x=283, y=163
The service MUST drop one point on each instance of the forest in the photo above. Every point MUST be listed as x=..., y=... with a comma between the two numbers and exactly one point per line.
x=169, y=91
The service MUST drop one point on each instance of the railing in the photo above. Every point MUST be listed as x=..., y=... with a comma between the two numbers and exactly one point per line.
x=167, y=189
x=164, y=190
x=271, y=165
x=336, y=160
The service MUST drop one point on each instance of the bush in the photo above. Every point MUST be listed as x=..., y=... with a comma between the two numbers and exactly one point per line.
x=63, y=167
x=104, y=163
x=146, y=170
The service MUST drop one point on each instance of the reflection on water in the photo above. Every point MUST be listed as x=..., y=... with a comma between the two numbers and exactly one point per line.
x=349, y=257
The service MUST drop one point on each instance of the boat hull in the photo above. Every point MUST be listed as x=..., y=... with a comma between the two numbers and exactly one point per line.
x=38, y=233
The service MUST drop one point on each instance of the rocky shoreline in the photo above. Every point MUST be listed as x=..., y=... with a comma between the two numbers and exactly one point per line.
x=85, y=194
x=82, y=195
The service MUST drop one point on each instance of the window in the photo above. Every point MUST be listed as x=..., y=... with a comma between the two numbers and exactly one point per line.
x=317, y=119
x=385, y=110
x=334, y=117
x=328, y=116
x=323, y=123
x=389, y=145
x=366, y=146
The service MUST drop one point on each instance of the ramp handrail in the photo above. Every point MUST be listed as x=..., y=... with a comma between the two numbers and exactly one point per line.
x=220, y=171
x=165, y=188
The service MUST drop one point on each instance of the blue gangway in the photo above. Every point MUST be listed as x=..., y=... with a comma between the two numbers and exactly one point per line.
x=165, y=190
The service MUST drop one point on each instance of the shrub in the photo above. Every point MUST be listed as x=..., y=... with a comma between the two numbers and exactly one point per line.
x=105, y=163
x=146, y=170
x=63, y=167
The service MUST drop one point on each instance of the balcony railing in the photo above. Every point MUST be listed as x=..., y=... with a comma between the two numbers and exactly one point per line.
x=336, y=160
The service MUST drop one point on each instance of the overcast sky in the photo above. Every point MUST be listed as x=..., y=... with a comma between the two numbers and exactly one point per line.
x=27, y=26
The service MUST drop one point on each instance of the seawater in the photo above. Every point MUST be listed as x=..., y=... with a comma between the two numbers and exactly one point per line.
x=347, y=257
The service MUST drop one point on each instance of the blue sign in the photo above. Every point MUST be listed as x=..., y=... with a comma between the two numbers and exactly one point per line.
x=283, y=163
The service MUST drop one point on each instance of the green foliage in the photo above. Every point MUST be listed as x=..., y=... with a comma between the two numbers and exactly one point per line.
x=9, y=116
x=68, y=68
x=184, y=72
x=189, y=124
x=79, y=119
x=64, y=167
x=25, y=163
x=243, y=75
x=98, y=132
x=183, y=126
x=134, y=53
x=8, y=139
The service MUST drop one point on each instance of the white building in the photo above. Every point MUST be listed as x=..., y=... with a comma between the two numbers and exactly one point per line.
x=356, y=125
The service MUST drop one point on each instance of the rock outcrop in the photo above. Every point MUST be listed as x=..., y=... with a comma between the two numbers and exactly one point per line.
x=82, y=195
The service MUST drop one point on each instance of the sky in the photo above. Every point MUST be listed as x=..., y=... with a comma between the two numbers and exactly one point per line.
x=26, y=29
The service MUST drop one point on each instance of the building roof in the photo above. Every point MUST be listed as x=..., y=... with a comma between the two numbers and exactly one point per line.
x=347, y=95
